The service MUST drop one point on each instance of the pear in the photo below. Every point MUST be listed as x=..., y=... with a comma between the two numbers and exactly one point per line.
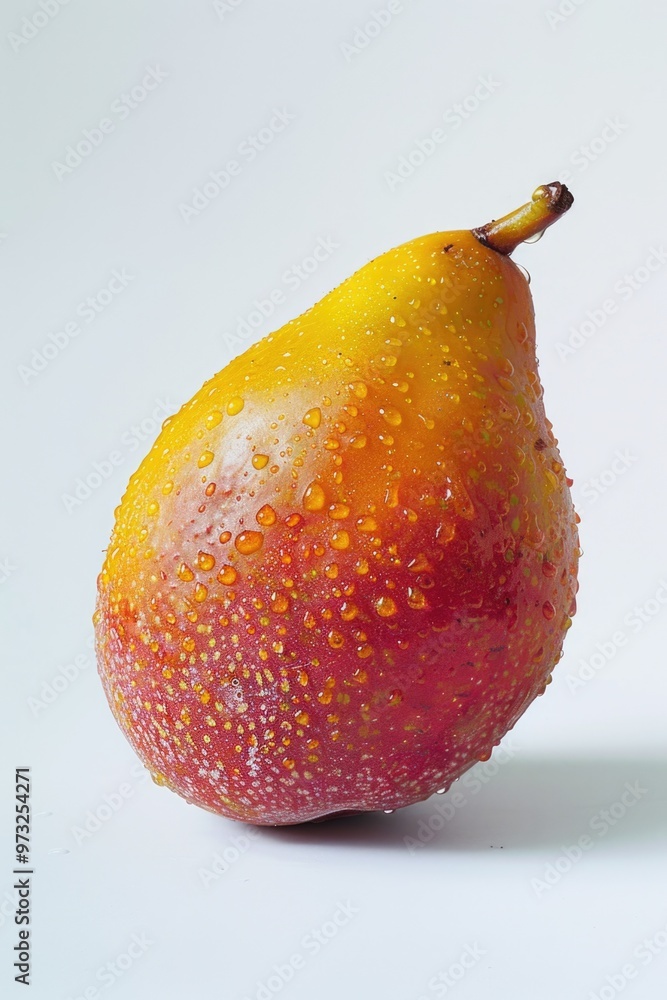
x=347, y=565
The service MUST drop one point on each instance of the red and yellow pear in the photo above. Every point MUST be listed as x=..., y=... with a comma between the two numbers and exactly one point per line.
x=347, y=565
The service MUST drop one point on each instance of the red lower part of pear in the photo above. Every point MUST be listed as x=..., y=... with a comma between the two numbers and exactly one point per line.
x=360, y=700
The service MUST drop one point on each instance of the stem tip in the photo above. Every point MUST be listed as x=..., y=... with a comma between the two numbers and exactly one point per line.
x=548, y=203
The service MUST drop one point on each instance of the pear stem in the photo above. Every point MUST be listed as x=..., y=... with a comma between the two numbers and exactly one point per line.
x=548, y=203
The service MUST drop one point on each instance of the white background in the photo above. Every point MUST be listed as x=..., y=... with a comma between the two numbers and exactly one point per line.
x=479, y=882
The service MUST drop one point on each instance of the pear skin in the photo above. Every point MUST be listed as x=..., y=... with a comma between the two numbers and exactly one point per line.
x=348, y=564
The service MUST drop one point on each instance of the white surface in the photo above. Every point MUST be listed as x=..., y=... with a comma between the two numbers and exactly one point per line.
x=324, y=176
